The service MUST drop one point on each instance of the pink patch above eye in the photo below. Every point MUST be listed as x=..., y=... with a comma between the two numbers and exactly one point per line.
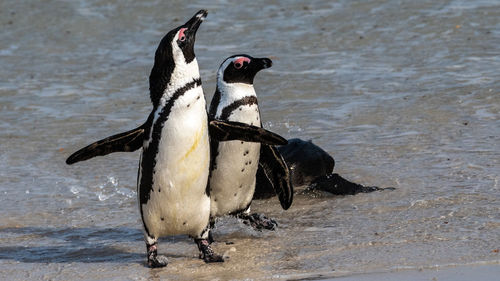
x=241, y=60
x=181, y=32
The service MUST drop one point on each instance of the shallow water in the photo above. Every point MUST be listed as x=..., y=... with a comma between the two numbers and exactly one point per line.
x=401, y=93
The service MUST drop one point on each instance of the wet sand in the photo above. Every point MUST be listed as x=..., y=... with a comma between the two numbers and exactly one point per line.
x=449, y=273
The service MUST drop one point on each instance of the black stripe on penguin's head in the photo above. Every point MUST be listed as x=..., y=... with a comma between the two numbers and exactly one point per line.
x=243, y=68
x=182, y=37
x=177, y=46
x=187, y=35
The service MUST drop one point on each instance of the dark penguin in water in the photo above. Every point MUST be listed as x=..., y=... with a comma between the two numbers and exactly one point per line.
x=311, y=169
x=173, y=171
x=234, y=163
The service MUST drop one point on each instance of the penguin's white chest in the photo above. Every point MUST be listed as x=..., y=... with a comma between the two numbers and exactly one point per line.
x=178, y=203
x=232, y=182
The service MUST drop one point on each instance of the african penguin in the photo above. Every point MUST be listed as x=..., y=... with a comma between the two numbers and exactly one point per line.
x=173, y=169
x=311, y=170
x=174, y=165
x=234, y=163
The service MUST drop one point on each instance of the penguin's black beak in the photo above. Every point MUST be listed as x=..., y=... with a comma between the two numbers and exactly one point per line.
x=257, y=64
x=193, y=23
x=243, y=68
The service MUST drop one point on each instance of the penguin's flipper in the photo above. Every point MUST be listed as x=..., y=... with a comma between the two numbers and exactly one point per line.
x=229, y=130
x=276, y=171
x=124, y=142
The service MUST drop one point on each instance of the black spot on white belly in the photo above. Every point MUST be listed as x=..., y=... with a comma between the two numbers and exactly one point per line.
x=162, y=219
x=235, y=194
x=188, y=105
x=241, y=185
x=184, y=223
x=242, y=170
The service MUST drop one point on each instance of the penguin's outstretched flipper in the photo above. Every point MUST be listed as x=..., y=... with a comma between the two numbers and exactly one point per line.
x=276, y=171
x=132, y=140
x=229, y=130
x=124, y=142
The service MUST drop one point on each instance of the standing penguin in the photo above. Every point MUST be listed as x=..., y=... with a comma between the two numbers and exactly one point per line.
x=234, y=163
x=173, y=169
x=174, y=166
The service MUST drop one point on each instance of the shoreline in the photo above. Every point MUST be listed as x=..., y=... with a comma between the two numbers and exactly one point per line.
x=481, y=270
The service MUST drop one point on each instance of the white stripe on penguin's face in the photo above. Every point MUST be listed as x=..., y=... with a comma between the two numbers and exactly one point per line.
x=231, y=92
x=183, y=72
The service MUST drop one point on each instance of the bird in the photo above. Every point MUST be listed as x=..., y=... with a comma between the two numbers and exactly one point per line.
x=234, y=164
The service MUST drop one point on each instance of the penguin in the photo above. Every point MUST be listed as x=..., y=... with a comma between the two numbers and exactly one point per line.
x=311, y=170
x=173, y=169
x=234, y=164
x=174, y=165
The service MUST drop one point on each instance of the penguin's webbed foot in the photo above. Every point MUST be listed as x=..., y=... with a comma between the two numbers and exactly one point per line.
x=206, y=253
x=155, y=260
x=158, y=261
x=258, y=221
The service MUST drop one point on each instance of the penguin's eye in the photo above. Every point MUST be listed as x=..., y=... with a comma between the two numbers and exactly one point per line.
x=240, y=62
x=182, y=36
